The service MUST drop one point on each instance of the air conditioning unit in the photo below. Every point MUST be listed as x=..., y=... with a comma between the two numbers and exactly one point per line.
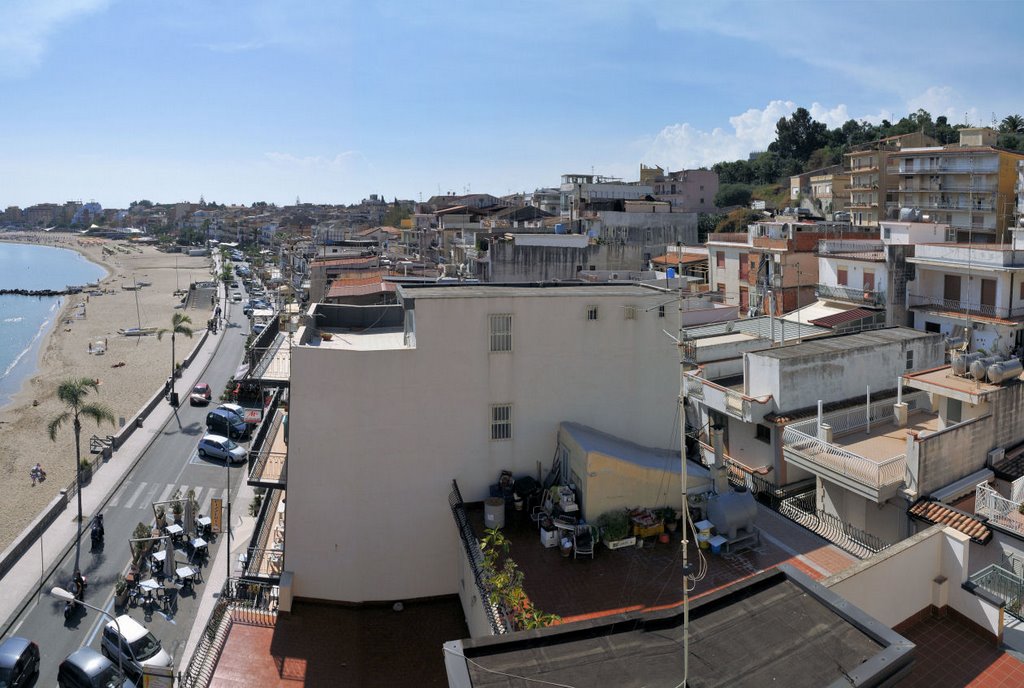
x=995, y=456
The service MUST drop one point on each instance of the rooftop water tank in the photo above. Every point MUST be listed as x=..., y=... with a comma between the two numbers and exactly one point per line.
x=1004, y=370
x=732, y=512
x=670, y=273
x=979, y=367
x=962, y=362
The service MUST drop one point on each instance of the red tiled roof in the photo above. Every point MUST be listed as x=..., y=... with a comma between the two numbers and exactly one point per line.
x=673, y=260
x=359, y=287
x=937, y=512
x=844, y=317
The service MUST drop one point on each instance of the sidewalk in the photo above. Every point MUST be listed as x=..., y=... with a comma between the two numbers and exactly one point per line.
x=23, y=581
x=217, y=573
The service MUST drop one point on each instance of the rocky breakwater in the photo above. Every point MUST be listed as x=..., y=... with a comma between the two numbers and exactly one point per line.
x=41, y=292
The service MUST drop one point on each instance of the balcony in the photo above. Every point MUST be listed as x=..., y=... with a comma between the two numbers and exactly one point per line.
x=722, y=399
x=270, y=464
x=264, y=557
x=950, y=205
x=999, y=510
x=965, y=307
x=857, y=296
x=828, y=247
x=871, y=463
x=948, y=167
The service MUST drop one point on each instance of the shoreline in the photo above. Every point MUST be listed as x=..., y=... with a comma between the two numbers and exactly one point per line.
x=130, y=369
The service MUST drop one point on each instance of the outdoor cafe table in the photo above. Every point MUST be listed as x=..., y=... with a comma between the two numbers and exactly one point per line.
x=198, y=544
x=174, y=530
x=203, y=523
x=185, y=575
x=150, y=586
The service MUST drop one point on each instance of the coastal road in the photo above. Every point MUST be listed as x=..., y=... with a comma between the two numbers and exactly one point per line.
x=169, y=464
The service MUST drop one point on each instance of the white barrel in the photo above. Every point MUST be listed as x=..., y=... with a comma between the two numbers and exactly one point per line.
x=494, y=512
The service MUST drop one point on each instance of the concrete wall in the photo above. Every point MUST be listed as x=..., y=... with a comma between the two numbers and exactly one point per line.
x=377, y=435
x=939, y=459
x=901, y=581
x=838, y=374
x=828, y=273
x=512, y=262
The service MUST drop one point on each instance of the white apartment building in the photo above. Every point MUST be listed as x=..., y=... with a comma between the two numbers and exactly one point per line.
x=971, y=291
x=580, y=193
x=455, y=382
x=762, y=414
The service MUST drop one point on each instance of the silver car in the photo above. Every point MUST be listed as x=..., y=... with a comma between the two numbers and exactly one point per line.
x=219, y=447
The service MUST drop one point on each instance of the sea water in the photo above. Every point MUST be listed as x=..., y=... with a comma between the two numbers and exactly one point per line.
x=25, y=320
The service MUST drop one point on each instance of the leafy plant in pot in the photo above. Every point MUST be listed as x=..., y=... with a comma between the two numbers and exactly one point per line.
x=669, y=517
x=614, y=527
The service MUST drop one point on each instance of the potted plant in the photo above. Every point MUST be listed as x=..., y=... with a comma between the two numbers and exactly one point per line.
x=177, y=506
x=161, y=518
x=614, y=527
x=86, y=465
x=668, y=516
x=120, y=591
x=140, y=549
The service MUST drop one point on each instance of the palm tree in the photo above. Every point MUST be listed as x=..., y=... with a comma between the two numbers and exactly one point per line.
x=73, y=392
x=1012, y=124
x=179, y=325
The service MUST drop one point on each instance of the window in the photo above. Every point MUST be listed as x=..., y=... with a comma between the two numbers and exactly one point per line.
x=763, y=433
x=954, y=410
x=1022, y=290
x=702, y=201
x=744, y=267
x=720, y=259
x=842, y=277
x=501, y=332
x=591, y=312
x=887, y=232
x=501, y=422
x=630, y=312
x=869, y=280
x=661, y=309
x=910, y=359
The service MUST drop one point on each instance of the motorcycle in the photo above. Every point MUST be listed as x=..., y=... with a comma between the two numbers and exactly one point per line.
x=37, y=474
x=96, y=532
x=78, y=585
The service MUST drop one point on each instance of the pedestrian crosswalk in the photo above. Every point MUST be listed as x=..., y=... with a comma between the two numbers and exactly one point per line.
x=142, y=495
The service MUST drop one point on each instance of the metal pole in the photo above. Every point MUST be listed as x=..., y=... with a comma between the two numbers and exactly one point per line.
x=819, y=416
x=899, y=390
x=867, y=410
x=227, y=528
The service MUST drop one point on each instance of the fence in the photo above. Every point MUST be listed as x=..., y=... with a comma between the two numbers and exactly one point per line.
x=475, y=557
x=798, y=505
x=239, y=602
x=1003, y=584
x=952, y=306
x=999, y=510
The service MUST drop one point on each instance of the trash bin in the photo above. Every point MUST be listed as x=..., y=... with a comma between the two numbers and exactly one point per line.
x=494, y=512
x=174, y=399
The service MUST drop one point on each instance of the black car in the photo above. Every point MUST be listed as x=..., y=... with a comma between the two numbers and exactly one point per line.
x=19, y=662
x=87, y=668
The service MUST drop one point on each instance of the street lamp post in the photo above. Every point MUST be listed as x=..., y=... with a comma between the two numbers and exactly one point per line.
x=62, y=594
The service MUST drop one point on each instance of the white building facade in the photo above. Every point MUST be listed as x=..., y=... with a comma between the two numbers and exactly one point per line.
x=461, y=383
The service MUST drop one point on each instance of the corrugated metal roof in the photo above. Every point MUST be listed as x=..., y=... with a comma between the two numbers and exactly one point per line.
x=847, y=342
x=760, y=327
x=844, y=317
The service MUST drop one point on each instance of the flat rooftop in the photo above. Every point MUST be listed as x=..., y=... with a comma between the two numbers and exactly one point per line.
x=759, y=327
x=357, y=339
x=886, y=439
x=846, y=342
x=544, y=290
x=778, y=628
x=943, y=382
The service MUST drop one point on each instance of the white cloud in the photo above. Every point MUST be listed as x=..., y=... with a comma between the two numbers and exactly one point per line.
x=26, y=27
x=945, y=100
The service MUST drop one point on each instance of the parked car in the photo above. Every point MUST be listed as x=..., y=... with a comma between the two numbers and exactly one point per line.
x=87, y=668
x=219, y=447
x=19, y=662
x=137, y=646
x=235, y=409
x=201, y=395
x=258, y=327
x=226, y=423
x=234, y=284
x=236, y=298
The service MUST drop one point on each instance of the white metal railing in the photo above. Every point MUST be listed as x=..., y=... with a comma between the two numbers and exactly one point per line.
x=830, y=246
x=965, y=306
x=874, y=474
x=998, y=509
x=855, y=418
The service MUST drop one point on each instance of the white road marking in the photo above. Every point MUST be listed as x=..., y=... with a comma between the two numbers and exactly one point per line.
x=135, y=495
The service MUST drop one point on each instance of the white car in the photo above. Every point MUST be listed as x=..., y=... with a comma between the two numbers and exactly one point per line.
x=237, y=298
x=137, y=646
x=219, y=447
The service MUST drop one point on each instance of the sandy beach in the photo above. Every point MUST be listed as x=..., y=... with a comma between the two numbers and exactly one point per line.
x=86, y=324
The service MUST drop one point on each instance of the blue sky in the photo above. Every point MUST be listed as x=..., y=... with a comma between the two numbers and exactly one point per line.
x=330, y=101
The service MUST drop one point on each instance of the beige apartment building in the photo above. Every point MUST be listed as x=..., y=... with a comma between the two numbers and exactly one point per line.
x=869, y=170
x=970, y=186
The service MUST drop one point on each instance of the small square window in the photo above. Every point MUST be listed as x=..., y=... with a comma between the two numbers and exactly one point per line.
x=661, y=309
x=591, y=312
x=630, y=312
x=501, y=332
x=763, y=433
x=501, y=422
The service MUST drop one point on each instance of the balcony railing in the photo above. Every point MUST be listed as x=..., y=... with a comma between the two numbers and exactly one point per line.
x=858, y=296
x=999, y=510
x=717, y=397
x=827, y=247
x=965, y=307
x=950, y=205
x=1004, y=585
x=799, y=506
x=270, y=468
x=947, y=167
x=875, y=475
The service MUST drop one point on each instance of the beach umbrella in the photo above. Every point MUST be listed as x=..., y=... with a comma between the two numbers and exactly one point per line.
x=169, y=559
x=190, y=521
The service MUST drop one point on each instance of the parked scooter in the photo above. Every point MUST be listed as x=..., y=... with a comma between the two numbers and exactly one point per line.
x=37, y=474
